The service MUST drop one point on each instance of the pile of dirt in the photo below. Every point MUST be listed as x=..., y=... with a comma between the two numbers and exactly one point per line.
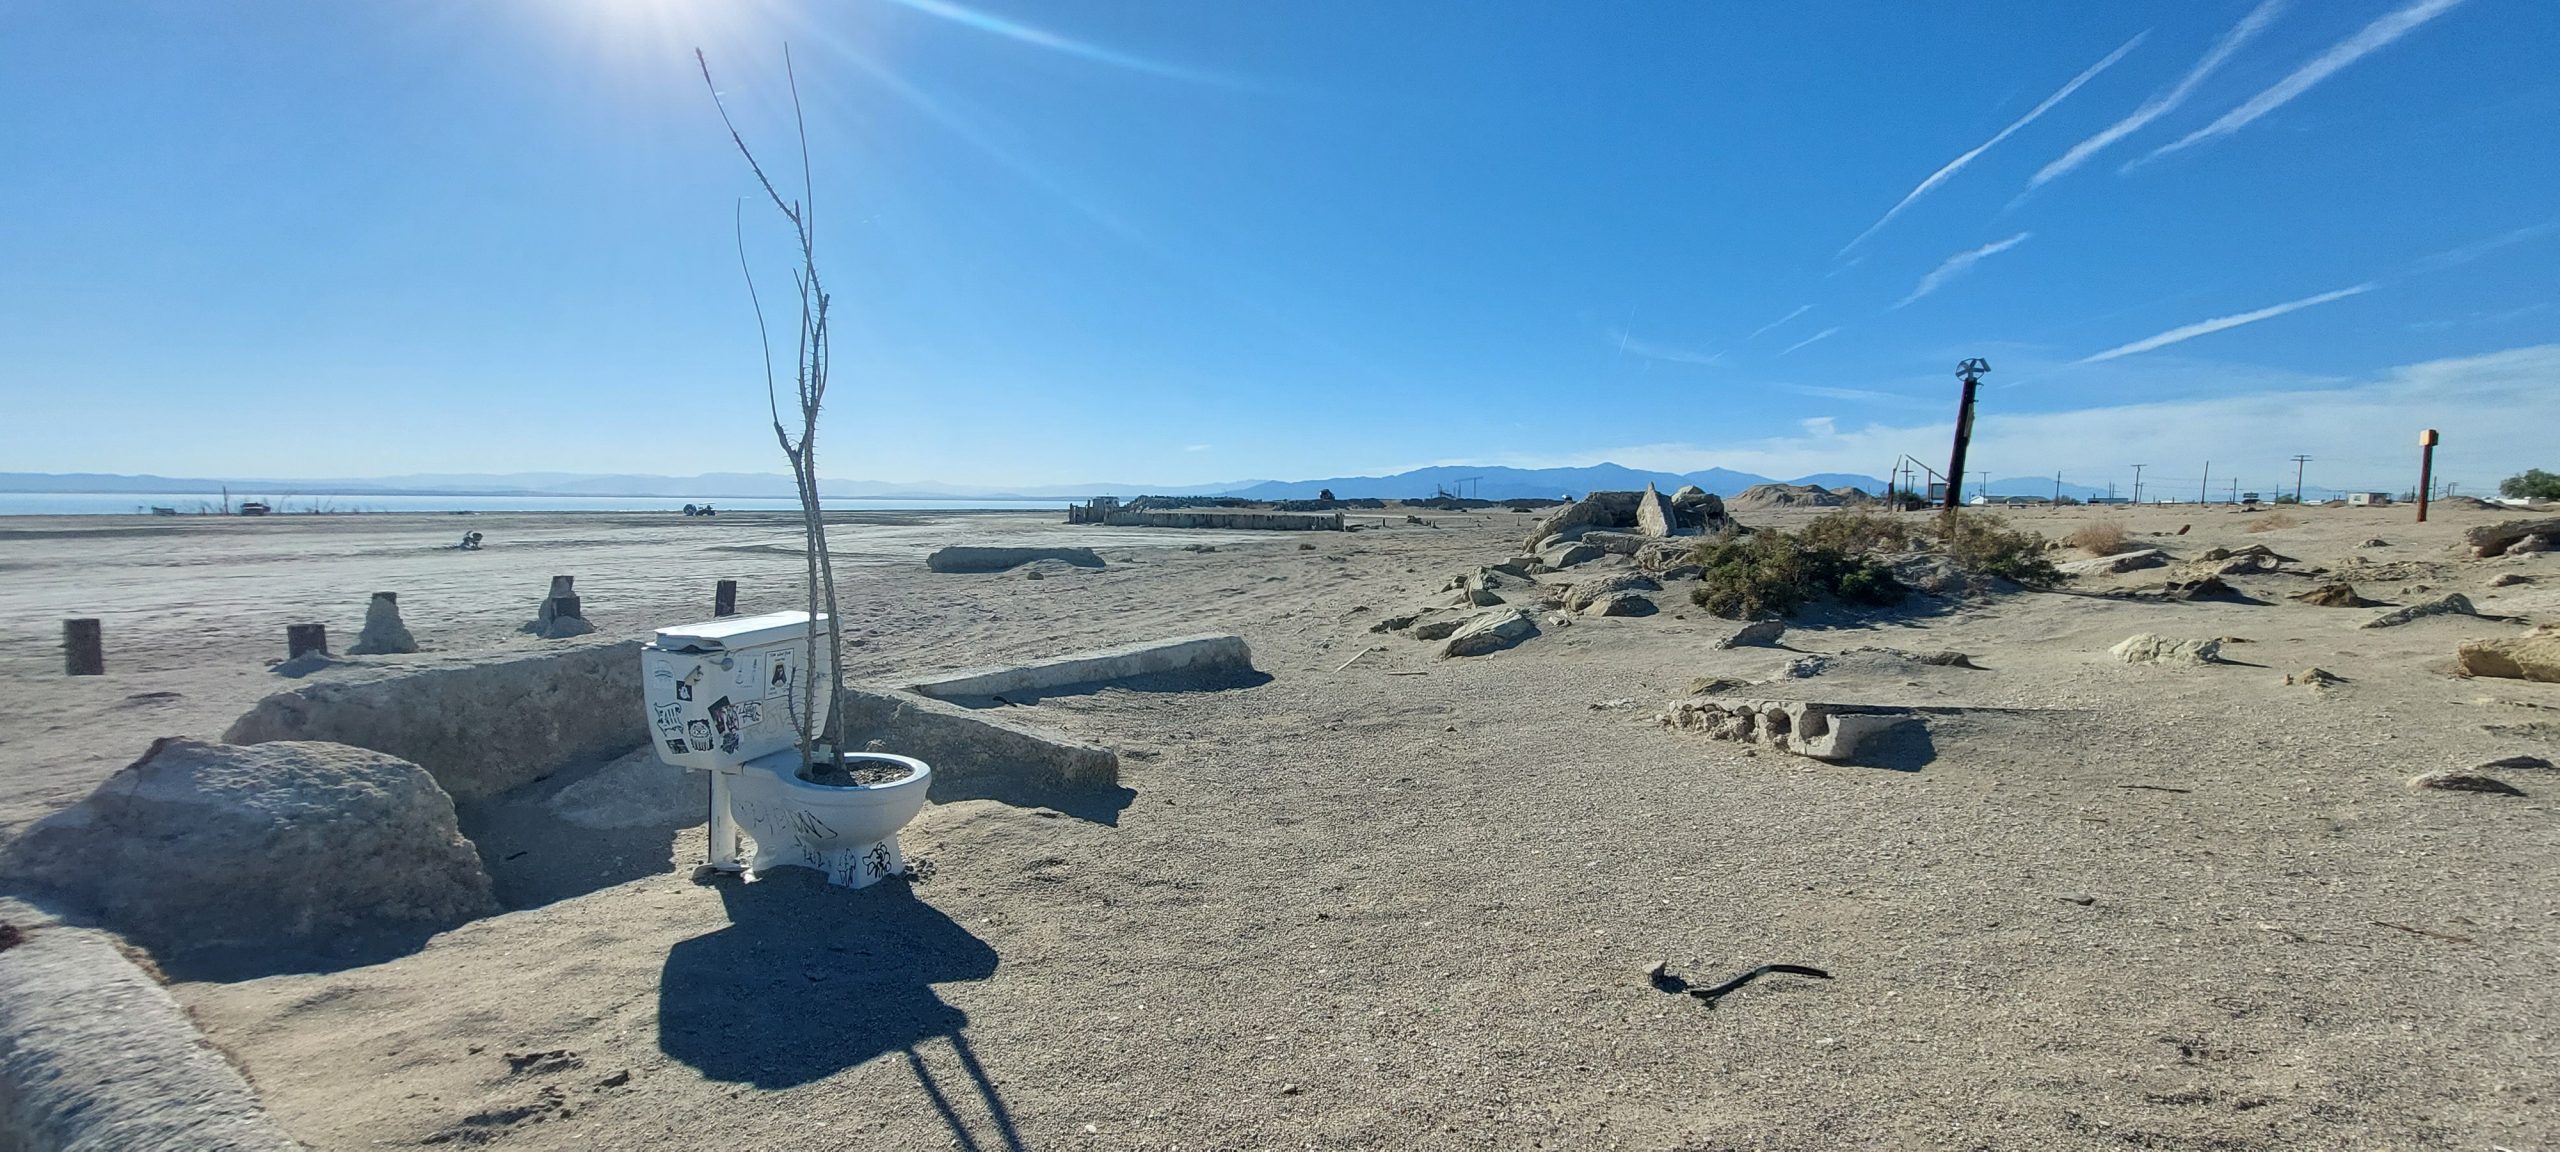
x=1764, y=496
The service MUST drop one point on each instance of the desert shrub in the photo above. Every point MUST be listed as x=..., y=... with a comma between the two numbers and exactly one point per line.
x=1851, y=533
x=2099, y=539
x=1772, y=573
x=1979, y=543
x=2530, y=484
x=2271, y=523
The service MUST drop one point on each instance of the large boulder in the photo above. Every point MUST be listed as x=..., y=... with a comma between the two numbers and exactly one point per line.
x=1597, y=510
x=1568, y=554
x=1491, y=632
x=1697, y=511
x=1653, y=513
x=2532, y=656
x=2502, y=538
x=282, y=845
x=1582, y=595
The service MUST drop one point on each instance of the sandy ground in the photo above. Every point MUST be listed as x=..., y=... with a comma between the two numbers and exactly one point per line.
x=1407, y=904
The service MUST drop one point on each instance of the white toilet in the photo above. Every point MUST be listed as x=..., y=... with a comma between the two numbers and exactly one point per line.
x=721, y=697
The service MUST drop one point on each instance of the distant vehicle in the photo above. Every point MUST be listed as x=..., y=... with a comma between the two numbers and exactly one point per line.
x=700, y=510
x=254, y=508
x=157, y=510
x=2248, y=498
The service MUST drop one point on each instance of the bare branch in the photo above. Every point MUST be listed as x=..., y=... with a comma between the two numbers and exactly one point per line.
x=738, y=226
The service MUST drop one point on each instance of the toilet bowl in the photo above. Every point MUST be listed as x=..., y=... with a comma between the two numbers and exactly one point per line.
x=849, y=833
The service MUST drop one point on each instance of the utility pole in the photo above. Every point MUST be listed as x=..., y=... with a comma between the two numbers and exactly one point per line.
x=2201, y=485
x=2057, y=489
x=2426, y=469
x=2137, y=484
x=2235, y=491
x=1971, y=372
x=2298, y=462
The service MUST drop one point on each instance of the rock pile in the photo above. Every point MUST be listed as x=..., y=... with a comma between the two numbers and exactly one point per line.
x=1760, y=496
x=2514, y=536
x=1646, y=515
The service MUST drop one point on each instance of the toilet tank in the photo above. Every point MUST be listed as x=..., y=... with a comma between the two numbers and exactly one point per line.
x=722, y=692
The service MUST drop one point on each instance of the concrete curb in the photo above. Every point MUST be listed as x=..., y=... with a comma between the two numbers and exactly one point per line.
x=1209, y=652
x=95, y=1056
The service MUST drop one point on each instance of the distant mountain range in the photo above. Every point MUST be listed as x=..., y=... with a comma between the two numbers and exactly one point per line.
x=1490, y=483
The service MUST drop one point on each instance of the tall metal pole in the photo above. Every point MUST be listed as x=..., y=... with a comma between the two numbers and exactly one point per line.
x=2137, y=484
x=2426, y=469
x=2298, y=462
x=1970, y=372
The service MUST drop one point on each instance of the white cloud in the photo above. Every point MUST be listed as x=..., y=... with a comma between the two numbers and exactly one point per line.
x=2220, y=323
x=1956, y=165
x=1195, y=447
x=1801, y=309
x=2495, y=410
x=1825, y=334
x=1959, y=263
x=1651, y=351
x=2371, y=39
x=1819, y=427
x=2165, y=102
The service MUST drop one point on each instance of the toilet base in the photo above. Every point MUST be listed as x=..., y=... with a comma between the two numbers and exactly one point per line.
x=857, y=867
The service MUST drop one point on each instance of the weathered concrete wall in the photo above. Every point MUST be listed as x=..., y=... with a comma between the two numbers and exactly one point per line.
x=1263, y=521
x=479, y=728
x=96, y=1057
x=970, y=558
x=1204, y=653
x=973, y=754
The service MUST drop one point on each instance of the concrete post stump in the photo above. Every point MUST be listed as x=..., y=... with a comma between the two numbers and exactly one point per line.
x=305, y=640
x=83, y=652
x=383, y=633
x=559, y=617
x=724, y=598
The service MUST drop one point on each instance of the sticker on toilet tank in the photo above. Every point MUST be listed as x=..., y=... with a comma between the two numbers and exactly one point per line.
x=724, y=716
x=749, y=673
x=698, y=732
x=778, y=681
x=670, y=718
x=750, y=713
x=676, y=745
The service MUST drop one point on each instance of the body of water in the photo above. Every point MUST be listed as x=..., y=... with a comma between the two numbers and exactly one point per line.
x=138, y=503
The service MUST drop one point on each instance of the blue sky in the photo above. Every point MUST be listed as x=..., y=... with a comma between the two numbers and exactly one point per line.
x=1177, y=242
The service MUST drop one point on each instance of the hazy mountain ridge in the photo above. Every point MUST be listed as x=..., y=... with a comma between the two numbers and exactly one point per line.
x=1491, y=483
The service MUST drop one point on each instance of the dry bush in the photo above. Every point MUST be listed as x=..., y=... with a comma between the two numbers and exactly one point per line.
x=1855, y=532
x=2271, y=523
x=1772, y=574
x=1979, y=543
x=2100, y=539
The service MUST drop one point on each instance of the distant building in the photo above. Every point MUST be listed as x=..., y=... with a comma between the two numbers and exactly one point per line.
x=2367, y=499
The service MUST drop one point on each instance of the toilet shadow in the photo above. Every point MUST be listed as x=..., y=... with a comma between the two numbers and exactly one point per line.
x=810, y=979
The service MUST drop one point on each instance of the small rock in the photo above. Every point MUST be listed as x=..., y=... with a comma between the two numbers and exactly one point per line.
x=2509, y=580
x=1756, y=634
x=1715, y=685
x=616, y=1080
x=1622, y=603
x=2375, y=542
x=1440, y=629
x=2532, y=656
x=2334, y=596
x=2313, y=677
x=1394, y=623
x=1613, y=705
x=1804, y=667
x=2083, y=901
x=1489, y=633
x=2121, y=562
x=2458, y=780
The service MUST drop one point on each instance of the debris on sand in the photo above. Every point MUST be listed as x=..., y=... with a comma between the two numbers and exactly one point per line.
x=2375, y=542
x=2313, y=677
x=2205, y=588
x=2449, y=604
x=1804, y=667
x=1715, y=685
x=2150, y=648
x=1660, y=978
x=2335, y=596
x=2120, y=562
x=1394, y=623
x=2533, y=656
x=1491, y=632
x=1756, y=634
x=559, y=617
x=1440, y=629
x=1646, y=514
x=2509, y=579
x=2460, y=780
x=2503, y=538
x=1832, y=732
x=2516, y=764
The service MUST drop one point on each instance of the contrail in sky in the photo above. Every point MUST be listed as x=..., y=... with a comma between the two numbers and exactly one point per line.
x=1824, y=334
x=2374, y=36
x=1942, y=175
x=2208, y=327
x=1957, y=264
x=1801, y=309
x=2166, y=102
x=1039, y=37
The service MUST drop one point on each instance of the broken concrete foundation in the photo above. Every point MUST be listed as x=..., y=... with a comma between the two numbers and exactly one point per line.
x=1834, y=732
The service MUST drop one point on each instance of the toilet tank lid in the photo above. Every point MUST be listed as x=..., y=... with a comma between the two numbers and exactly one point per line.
x=735, y=632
